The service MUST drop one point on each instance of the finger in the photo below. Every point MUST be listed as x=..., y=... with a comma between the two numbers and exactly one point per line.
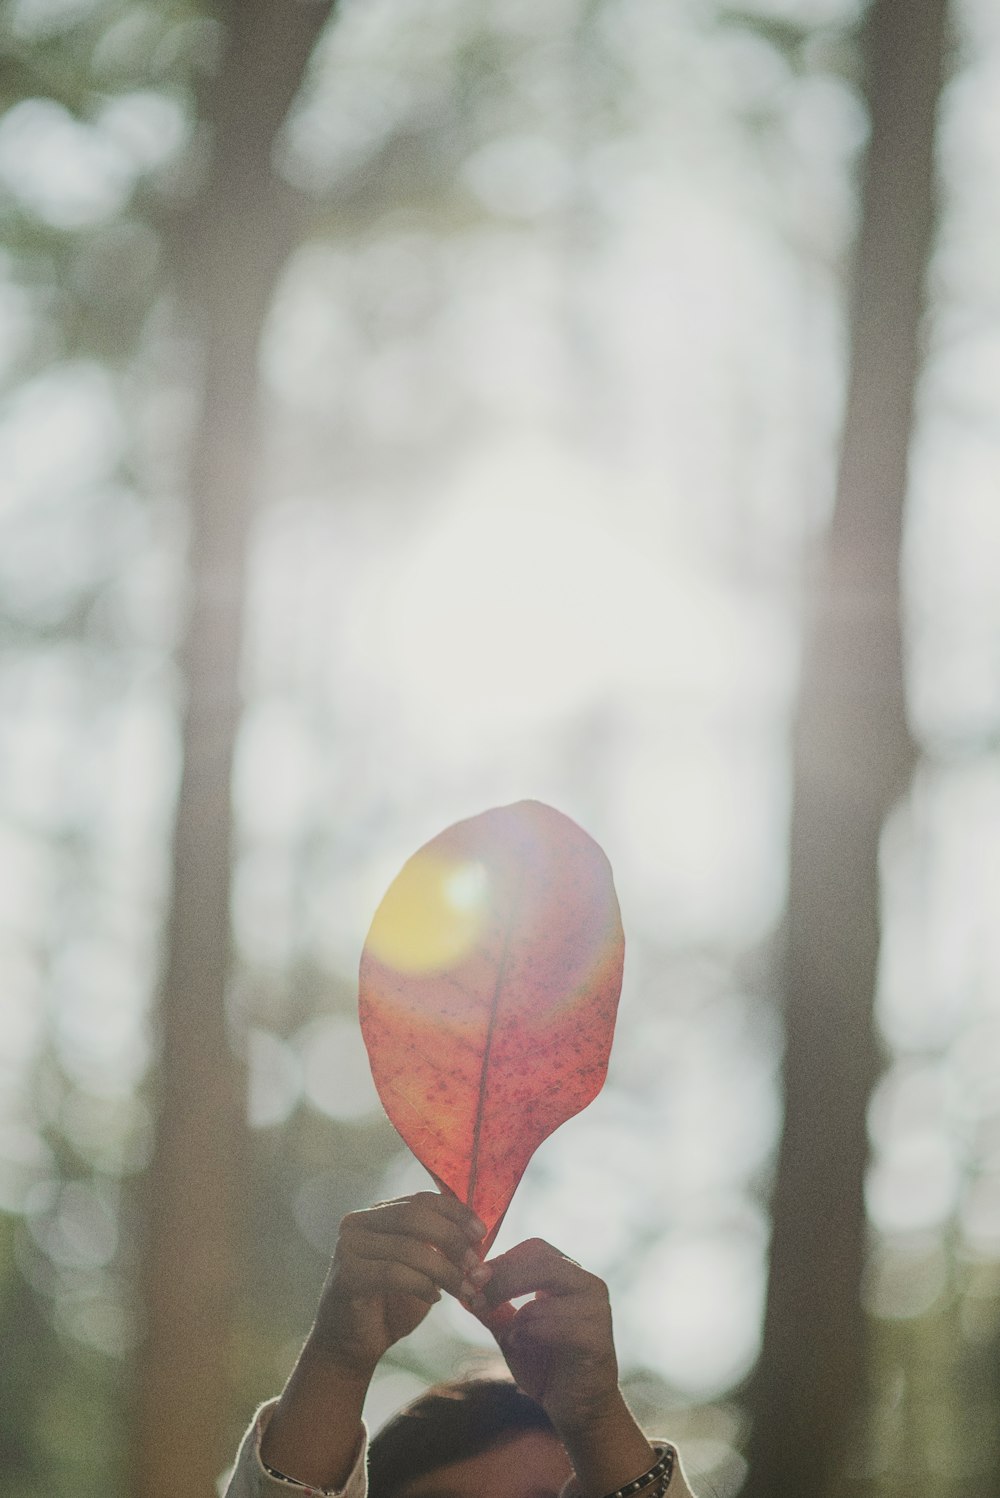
x=440, y=1220
x=366, y=1277
x=570, y=1321
x=535, y=1265
x=495, y=1318
x=399, y=1249
x=447, y=1204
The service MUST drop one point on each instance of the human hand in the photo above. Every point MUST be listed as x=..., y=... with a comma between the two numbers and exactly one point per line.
x=389, y=1267
x=560, y=1349
x=560, y=1345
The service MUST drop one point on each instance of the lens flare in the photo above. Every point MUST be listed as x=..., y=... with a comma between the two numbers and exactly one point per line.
x=431, y=915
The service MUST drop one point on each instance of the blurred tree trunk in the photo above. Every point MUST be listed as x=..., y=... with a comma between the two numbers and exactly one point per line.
x=227, y=251
x=853, y=758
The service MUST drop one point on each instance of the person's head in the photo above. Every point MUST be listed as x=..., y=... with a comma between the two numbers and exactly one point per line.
x=465, y=1439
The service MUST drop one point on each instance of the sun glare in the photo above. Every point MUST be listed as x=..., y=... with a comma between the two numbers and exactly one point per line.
x=431, y=915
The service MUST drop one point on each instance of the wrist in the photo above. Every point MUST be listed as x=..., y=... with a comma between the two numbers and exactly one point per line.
x=606, y=1446
x=597, y=1418
x=314, y=1432
x=349, y=1367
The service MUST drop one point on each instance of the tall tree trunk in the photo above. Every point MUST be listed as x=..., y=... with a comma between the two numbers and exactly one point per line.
x=853, y=758
x=227, y=253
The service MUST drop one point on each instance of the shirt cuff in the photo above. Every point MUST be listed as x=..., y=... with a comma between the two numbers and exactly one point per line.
x=273, y=1482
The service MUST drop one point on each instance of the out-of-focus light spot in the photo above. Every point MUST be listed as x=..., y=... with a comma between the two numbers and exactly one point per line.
x=718, y=1464
x=905, y=1277
x=466, y=888
x=431, y=916
x=66, y=172
x=310, y=341
x=25, y=1159
x=979, y=1318
x=910, y=1098
x=98, y=1321
x=73, y=1224
x=336, y=1076
x=695, y=1310
x=381, y=66
x=113, y=1134
x=700, y=819
x=39, y=18
x=77, y=401
x=942, y=886
x=38, y=786
x=323, y=1199
x=274, y=1083
x=805, y=13
x=980, y=1215
x=974, y=1057
x=276, y=771
x=913, y=1184
x=99, y=1018
x=150, y=127
x=398, y=397
x=23, y=1015
x=17, y=324
x=263, y=907
x=520, y=176
x=584, y=1191
x=826, y=118
x=141, y=760
x=955, y=614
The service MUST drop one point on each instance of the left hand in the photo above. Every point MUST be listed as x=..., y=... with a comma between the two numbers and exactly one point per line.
x=559, y=1346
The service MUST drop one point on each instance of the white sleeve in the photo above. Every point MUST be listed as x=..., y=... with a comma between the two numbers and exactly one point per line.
x=251, y=1479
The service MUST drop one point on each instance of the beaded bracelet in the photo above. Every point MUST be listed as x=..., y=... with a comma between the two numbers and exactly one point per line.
x=660, y=1473
x=293, y=1482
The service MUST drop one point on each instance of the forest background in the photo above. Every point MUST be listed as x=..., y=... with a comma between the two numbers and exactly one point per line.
x=409, y=408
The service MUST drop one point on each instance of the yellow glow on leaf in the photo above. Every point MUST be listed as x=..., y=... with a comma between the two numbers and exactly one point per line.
x=431, y=915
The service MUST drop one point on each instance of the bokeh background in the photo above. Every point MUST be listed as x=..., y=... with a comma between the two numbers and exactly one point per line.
x=408, y=408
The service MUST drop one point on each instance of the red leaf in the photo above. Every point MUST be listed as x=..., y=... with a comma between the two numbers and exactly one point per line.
x=489, y=986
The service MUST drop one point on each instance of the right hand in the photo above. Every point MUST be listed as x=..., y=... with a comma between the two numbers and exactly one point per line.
x=389, y=1267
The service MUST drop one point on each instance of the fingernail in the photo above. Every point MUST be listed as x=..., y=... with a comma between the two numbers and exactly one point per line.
x=476, y=1229
x=480, y=1273
x=466, y=1291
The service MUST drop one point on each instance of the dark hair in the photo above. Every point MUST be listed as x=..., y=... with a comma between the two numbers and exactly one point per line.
x=449, y=1423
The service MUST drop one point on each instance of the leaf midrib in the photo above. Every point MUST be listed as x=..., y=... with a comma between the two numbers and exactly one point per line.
x=487, y=1054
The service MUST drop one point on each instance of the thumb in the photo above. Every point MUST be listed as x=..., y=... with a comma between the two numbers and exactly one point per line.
x=496, y=1319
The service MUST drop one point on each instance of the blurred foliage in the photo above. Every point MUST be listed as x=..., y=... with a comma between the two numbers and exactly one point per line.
x=468, y=168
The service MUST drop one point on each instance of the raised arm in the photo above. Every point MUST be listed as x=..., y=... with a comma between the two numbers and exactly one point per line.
x=560, y=1349
x=390, y=1266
